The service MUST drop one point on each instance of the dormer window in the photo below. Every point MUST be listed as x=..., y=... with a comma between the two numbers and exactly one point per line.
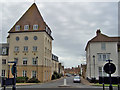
x=26, y=27
x=35, y=27
x=17, y=27
x=48, y=30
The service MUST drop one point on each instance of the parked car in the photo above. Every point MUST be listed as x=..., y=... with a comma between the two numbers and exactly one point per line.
x=68, y=75
x=76, y=79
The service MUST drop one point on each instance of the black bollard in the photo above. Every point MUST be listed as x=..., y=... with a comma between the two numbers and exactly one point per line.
x=110, y=87
x=118, y=87
x=14, y=74
x=118, y=82
x=103, y=86
x=14, y=82
x=4, y=88
x=103, y=83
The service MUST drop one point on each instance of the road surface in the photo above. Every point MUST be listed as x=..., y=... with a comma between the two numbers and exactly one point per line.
x=57, y=83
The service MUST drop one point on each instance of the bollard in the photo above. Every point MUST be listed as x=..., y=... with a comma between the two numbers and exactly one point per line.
x=65, y=82
x=110, y=87
x=4, y=88
x=103, y=86
x=118, y=87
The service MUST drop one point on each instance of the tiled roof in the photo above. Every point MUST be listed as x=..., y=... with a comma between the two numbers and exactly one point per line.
x=102, y=38
x=30, y=17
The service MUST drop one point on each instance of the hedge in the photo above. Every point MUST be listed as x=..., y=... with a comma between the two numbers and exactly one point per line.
x=21, y=79
x=33, y=80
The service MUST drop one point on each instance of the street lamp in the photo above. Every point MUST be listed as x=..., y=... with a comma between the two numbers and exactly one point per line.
x=94, y=66
x=37, y=66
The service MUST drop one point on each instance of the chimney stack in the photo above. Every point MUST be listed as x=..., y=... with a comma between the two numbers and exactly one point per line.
x=98, y=32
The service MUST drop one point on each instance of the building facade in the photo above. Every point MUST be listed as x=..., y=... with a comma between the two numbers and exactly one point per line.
x=83, y=70
x=4, y=52
x=30, y=45
x=98, y=50
x=55, y=64
x=73, y=70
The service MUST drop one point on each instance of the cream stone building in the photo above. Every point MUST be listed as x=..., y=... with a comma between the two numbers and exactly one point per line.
x=30, y=45
x=4, y=51
x=55, y=63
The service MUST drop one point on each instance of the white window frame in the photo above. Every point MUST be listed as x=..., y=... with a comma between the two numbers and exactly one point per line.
x=103, y=73
x=103, y=46
x=4, y=61
x=26, y=27
x=25, y=48
x=3, y=73
x=16, y=49
x=17, y=27
x=25, y=61
x=48, y=30
x=24, y=73
x=4, y=50
x=34, y=48
x=35, y=27
x=34, y=60
x=34, y=74
x=102, y=55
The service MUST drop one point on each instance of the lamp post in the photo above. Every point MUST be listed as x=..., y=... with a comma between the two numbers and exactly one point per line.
x=94, y=66
x=37, y=65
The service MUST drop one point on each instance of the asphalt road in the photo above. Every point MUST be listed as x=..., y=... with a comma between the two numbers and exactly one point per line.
x=57, y=83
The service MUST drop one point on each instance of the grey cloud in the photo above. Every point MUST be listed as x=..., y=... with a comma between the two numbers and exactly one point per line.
x=72, y=24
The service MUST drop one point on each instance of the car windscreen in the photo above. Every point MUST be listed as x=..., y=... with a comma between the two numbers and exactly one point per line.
x=77, y=78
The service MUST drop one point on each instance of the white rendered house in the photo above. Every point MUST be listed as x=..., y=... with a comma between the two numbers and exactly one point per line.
x=98, y=50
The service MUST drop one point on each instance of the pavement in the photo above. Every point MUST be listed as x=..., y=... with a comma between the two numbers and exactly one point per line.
x=86, y=82
x=24, y=84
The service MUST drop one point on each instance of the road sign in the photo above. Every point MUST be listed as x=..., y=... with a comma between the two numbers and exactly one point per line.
x=110, y=68
x=14, y=70
x=7, y=81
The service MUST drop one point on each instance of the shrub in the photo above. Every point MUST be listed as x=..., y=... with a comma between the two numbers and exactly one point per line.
x=33, y=80
x=21, y=79
x=53, y=77
x=56, y=75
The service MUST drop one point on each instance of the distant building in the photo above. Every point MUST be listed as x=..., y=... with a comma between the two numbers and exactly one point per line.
x=61, y=69
x=83, y=70
x=73, y=70
x=29, y=43
x=98, y=50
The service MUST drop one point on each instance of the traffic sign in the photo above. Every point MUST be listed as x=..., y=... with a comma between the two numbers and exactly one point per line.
x=14, y=70
x=7, y=81
x=109, y=68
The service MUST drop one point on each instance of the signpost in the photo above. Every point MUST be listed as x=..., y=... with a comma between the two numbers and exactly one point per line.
x=10, y=81
x=110, y=68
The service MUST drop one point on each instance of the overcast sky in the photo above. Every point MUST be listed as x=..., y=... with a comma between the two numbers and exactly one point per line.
x=73, y=24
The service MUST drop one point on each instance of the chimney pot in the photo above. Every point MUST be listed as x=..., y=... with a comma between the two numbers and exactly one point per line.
x=98, y=32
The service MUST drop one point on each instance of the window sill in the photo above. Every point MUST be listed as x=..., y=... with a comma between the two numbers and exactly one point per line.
x=16, y=51
x=25, y=51
x=34, y=51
